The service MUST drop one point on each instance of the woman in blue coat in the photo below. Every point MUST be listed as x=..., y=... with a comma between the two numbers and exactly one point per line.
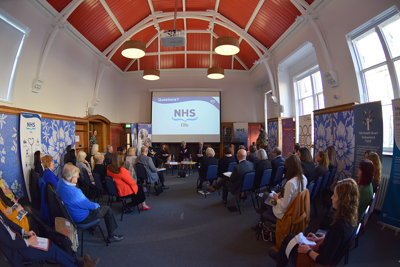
x=48, y=175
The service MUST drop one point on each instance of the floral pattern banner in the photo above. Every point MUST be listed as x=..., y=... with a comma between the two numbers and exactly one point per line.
x=322, y=133
x=272, y=136
x=9, y=164
x=344, y=143
x=67, y=137
x=51, y=142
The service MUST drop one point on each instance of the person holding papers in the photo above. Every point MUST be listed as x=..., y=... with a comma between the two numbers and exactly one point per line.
x=151, y=170
x=20, y=246
x=329, y=247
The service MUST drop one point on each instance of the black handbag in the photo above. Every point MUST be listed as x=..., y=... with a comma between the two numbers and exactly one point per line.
x=182, y=174
x=159, y=188
x=268, y=233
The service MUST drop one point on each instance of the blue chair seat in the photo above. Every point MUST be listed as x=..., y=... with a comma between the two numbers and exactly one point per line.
x=87, y=225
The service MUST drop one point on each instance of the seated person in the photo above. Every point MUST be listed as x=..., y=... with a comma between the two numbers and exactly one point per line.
x=307, y=164
x=7, y=192
x=164, y=154
x=71, y=157
x=100, y=168
x=200, y=153
x=184, y=152
x=90, y=158
x=157, y=161
x=262, y=165
x=295, y=149
x=234, y=182
x=207, y=161
x=323, y=163
x=48, y=174
x=121, y=149
x=252, y=153
x=81, y=163
x=17, y=245
x=365, y=174
x=130, y=163
x=330, y=247
x=151, y=170
x=376, y=180
x=109, y=155
x=295, y=183
x=126, y=186
x=81, y=209
x=224, y=162
x=14, y=211
x=277, y=162
x=37, y=162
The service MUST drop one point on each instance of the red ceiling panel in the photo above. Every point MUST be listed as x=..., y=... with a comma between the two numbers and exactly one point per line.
x=134, y=66
x=247, y=54
x=169, y=25
x=145, y=35
x=93, y=22
x=59, y=4
x=198, y=61
x=129, y=12
x=200, y=5
x=273, y=19
x=238, y=11
x=222, y=31
x=166, y=5
x=148, y=62
x=309, y=1
x=224, y=62
x=120, y=60
x=196, y=24
x=172, y=61
x=171, y=49
x=198, y=41
x=237, y=65
x=153, y=47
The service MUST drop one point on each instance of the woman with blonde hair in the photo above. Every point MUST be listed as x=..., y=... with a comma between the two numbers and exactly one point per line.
x=81, y=163
x=48, y=174
x=130, y=163
x=323, y=163
x=207, y=161
x=376, y=181
x=332, y=245
x=90, y=158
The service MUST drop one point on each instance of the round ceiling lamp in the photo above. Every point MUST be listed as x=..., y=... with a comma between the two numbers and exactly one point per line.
x=151, y=74
x=216, y=73
x=227, y=46
x=133, y=49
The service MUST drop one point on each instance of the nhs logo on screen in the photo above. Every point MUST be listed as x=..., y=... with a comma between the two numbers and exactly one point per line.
x=184, y=115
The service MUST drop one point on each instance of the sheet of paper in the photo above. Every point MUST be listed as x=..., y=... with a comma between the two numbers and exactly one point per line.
x=300, y=238
x=228, y=174
x=161, y=169
x=43, y=244
x=173, y=163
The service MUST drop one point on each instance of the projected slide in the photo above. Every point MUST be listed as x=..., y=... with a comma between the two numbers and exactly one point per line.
x=188, y=116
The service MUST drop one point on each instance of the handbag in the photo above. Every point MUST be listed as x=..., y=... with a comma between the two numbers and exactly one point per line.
x=268, y=233
x=182, y=174
x=158, y=188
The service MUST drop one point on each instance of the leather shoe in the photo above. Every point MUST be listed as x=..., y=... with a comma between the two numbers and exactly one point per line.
x=212, y=189
x=165, y=187
x=273, y=254
x=115, y=238
x=144, y=208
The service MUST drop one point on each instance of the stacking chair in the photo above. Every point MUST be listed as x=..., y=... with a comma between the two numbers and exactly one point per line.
x=278, y=176
x=346, y=251
x=113, y=192
x=231, y=166
x=99, y=186
x=265, y=180
x=332, y=177
x=325, y=181
x=34, y=189
x=254, y=163
x=78, y=226
x=247, y=185
x=212, y=174
x=361, y=221
x=372, y=205
x=315, y=192
x=142, y=176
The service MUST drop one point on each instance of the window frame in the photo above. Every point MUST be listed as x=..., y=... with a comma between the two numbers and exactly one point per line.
x=375, y=24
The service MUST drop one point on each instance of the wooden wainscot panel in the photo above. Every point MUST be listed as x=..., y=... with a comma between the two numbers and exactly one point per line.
x=340, y=108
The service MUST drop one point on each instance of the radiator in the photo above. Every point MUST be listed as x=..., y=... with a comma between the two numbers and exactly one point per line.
x=380, y=198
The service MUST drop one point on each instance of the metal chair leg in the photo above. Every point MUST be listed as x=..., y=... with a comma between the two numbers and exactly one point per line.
x=101, y=231
x=237, y=201
x=81, y=243
x=251, y=194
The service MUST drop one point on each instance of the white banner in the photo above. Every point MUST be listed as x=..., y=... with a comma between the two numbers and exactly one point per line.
x=30, y=128
x=305, y=133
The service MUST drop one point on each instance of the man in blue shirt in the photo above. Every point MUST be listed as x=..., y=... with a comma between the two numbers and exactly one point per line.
x=81, y=209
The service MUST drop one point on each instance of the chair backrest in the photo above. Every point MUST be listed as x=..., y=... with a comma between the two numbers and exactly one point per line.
x=212, y=172
x=54, y=210
x=248, y=181
x=347, y=246
x=141, y=172
x=86, y=177
x=325, y=181
x=311, y=188
x=373, y=202
x=64, y=210
x=332, y=177
x=112, y=188
x=231, y=166
x=254, y=163
x=97, y=181
x=279, y=174
x=316, y=188
x=364, y=215
x=266, y=178
x=34, y=189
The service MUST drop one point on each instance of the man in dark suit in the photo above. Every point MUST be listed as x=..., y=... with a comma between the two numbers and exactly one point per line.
x=109, y=155
x=200, y=152
x=151, y=170
x=234, y=182
x=207, y=161
x=16, y=245
x=151, y=153
x=253, y=154
x=278, y=161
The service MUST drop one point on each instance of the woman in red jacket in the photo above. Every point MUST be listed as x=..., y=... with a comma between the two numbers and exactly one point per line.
x=126, y=186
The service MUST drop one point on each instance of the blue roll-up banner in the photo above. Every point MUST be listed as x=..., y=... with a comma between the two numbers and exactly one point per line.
x=241, y=130
x=30, y=140
x=390, y=213
x=368, y=131
x=134, y=137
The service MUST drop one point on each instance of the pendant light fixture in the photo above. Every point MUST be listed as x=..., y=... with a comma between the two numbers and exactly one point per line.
x=151, y=74
x=134, y=49
x=227, y=46
x=216, y=73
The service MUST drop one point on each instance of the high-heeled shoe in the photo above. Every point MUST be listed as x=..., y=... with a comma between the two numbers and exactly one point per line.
x=143, y=208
